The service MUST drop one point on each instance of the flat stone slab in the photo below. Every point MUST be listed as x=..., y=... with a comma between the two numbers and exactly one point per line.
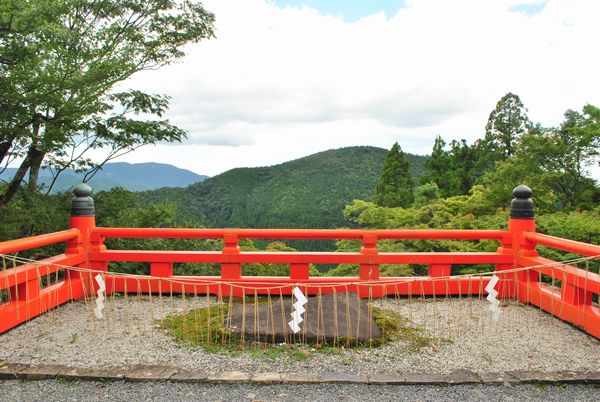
x=496, y=378
x=386, y=379
x=423, y=379
x=76, y=373
x=342, y=378
x=266, y=378
x=571, y=377
x=332, y=317
x=150, y=373
x=463, y=376
x=593, y=377
x=533, y=376
x=189, y=376
x=229, y=377
x=299, y=378
x=9, y=371
x=42, y=372
x=577, y=377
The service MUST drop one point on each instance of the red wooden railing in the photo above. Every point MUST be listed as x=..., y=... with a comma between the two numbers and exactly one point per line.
x=516, y=262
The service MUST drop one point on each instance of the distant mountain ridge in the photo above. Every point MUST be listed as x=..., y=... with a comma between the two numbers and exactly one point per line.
x=306, y=192
x=131, y=176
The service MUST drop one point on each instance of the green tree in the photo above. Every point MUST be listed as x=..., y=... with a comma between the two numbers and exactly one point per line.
x=426, y=193
x=395, y=186
x=59, y=63
x=506, y=124
x=441, y=170
x=554, y=162
x=32, y=213
x=464, y=165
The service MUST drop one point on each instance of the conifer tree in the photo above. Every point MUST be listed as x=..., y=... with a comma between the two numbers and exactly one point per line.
x=441, y=170
x=395, y=186
x=506, y=125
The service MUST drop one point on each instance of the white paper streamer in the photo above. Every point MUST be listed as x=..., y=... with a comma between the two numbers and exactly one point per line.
x=298, y=310
x=300, y=296
x=100, y=298
x=492, y=297
x=297, y=317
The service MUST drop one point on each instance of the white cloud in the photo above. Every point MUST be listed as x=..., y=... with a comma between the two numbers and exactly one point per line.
x=279, y=83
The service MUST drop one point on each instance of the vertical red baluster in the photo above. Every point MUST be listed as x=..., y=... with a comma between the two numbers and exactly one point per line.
x=231, y=247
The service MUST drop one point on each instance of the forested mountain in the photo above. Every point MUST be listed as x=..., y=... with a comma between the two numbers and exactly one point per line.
x=306, y=192
x=131, y=176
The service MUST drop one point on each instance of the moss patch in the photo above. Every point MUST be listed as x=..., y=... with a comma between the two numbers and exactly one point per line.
x=205, y=328
x=396, y=328
x=199, y=327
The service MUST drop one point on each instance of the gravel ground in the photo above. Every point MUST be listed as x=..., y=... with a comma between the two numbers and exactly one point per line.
x=464, y=335
x=49, y=391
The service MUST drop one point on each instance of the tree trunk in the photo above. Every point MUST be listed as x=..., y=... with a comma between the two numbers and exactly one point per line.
x=5, y=146
x=16, y=181
x=37, y=156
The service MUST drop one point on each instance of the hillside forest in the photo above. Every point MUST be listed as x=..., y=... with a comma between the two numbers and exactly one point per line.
x=458, y=186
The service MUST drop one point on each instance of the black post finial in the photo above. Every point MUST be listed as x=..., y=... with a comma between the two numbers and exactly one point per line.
x=82, y=204
x=521, y=206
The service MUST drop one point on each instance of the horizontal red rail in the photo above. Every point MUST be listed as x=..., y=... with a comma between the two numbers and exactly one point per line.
x=13, y=246
x=26, y=272
x=317, y=234
x=571, y=246
x=19, y=311
x=299, y=257
x=586, y=316
x=577, y=277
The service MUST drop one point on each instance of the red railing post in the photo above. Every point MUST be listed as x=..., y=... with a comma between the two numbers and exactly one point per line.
x=575, y=295
x=520, y=222
x=298, y=272
x=439, y=270
x=25, y=294
x=83, y=217
x=161, y=269
x=231, y=247
x=28, y=290
x=368, y=271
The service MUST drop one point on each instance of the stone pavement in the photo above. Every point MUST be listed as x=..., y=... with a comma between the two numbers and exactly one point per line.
x=103, y=391
x=158, y=373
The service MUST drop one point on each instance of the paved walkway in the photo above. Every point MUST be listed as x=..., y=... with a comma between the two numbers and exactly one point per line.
x=65, y=391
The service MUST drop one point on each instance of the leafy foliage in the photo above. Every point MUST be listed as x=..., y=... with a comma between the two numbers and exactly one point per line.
x=395, y=186
x=466, y=164
x=507, y=123
x=59, y=63
x=554, y=162
x=303, y=193
x=474, y=211
x=441, y=169
x=426, y=193
x=32, y=213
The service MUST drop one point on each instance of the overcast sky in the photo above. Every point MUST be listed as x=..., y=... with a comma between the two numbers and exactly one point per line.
x=285, y=79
